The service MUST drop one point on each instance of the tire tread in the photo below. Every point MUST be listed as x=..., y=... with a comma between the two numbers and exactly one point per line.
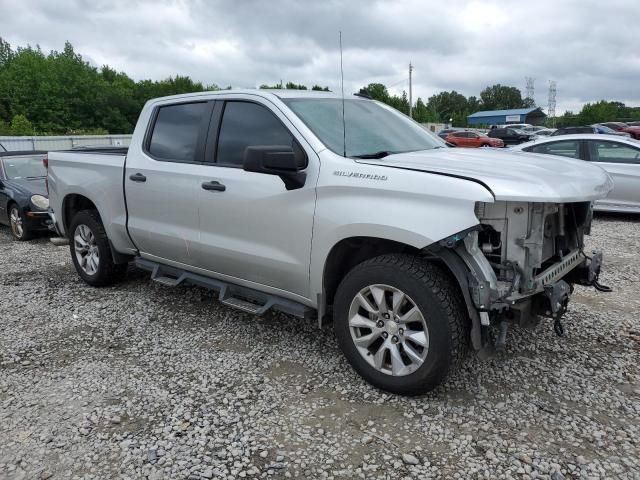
x=441, y=285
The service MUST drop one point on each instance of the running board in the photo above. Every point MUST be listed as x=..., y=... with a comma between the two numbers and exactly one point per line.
x=242, y=298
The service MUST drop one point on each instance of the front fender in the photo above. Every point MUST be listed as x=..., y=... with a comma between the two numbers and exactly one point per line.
x=409, y=207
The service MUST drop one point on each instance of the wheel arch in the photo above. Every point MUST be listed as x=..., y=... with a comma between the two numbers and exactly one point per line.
x=349, y=252
x=72, y=204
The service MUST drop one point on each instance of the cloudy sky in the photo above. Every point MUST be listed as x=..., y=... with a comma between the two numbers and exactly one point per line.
x=591, y=48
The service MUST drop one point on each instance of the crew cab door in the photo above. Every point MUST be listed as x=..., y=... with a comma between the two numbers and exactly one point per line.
x=253, y=230
x=162, y=182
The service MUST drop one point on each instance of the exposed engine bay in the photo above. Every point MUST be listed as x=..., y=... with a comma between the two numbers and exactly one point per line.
x=524, y=260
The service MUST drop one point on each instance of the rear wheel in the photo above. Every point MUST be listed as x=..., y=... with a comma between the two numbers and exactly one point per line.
x=91, y=251
x=401, y=323
x=19, y=228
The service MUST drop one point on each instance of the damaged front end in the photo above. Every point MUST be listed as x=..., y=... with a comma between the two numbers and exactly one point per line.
x=521, y=263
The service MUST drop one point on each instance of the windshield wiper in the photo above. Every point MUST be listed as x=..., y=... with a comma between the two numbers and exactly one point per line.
x=35, y=178
x=380, y=154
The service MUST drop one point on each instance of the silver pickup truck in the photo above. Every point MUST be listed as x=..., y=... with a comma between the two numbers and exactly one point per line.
x=338, y=209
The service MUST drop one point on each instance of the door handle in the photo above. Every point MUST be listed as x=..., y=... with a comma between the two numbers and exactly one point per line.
x=138, y=177
x=213, y=185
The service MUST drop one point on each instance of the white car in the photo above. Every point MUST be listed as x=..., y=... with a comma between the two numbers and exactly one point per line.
x=619, y=156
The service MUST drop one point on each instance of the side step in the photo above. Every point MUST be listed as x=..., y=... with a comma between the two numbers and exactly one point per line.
x=241, y=298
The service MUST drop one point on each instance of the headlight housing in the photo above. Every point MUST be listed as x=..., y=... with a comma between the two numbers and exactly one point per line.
x=40, y=201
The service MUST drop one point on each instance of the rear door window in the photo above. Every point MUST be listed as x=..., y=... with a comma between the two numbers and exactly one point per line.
x=613, y=152
x=176, y=132
x=566, y=148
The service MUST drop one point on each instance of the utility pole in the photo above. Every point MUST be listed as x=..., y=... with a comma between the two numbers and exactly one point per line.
x=410, y=92
x=551, y=109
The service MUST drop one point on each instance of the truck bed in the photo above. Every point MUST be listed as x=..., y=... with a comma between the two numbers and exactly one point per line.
x=95, y=173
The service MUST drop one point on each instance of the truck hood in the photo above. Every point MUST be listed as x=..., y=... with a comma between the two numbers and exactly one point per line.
x=510, y=175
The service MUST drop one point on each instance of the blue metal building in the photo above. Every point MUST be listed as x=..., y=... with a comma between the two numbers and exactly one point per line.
x=534, y=116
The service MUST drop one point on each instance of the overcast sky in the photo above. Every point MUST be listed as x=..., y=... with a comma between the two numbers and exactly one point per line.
x=591, y=48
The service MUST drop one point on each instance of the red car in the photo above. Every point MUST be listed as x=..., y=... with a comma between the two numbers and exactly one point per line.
x=472, y=140
x=632, y=130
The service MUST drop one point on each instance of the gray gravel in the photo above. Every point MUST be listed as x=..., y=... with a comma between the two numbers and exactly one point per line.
x=144, y=381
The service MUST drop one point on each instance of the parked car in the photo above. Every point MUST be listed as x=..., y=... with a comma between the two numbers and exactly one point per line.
x=633, y=124
x=473, y=140
x=596, y=128
x=632, y=130
x=619, y=156
x=510, y=136
x=545, y=132
x=260, y=196
x=23, y=195
x=518, y=126
x=443, y=133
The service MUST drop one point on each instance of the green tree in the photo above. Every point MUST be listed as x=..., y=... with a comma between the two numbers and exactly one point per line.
x=601, y=111
x=295, y=86
x=377, y=91
x=501, y=97
x=449, y=105
x=5, y=128
x=277, y=86
x=320, y=89
x=20, y=125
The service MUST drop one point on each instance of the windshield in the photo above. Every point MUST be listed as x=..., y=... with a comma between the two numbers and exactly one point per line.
x=24, y=167
x=370, y=128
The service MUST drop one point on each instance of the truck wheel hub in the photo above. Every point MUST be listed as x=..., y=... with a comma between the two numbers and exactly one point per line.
x=389, y=330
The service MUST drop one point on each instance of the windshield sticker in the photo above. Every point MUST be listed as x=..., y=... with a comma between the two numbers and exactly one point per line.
x=366, y=176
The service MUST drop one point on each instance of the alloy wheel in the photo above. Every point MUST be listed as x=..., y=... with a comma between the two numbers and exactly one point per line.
x=16, y=222
x=86, y=249
x=388, y=330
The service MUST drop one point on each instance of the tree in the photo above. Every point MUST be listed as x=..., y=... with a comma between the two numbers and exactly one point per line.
x=20, y=125
x=501, y=97
x=5, y=52
x=601, y=111
x=377, y=91
x=448, y=105
x=321, y=89
x=295, y=86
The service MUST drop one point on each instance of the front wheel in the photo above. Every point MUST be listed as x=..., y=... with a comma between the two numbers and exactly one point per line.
x=401, y=323
x=91, y=251
x=19, y=228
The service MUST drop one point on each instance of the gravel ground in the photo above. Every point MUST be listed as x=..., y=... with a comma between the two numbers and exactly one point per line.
x=144, y=381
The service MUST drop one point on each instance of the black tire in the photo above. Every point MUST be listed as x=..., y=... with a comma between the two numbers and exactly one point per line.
x=22, y=232
x=440, y=303
x=107, y=272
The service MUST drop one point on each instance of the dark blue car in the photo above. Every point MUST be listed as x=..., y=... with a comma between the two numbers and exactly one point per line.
x=23, y=193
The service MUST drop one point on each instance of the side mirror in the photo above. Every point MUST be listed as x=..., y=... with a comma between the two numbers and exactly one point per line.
x=281, y=160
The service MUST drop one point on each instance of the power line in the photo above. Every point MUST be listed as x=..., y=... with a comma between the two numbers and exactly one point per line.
x=397, y=83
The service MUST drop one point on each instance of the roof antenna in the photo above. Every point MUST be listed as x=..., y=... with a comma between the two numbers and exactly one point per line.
x=344, y=126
